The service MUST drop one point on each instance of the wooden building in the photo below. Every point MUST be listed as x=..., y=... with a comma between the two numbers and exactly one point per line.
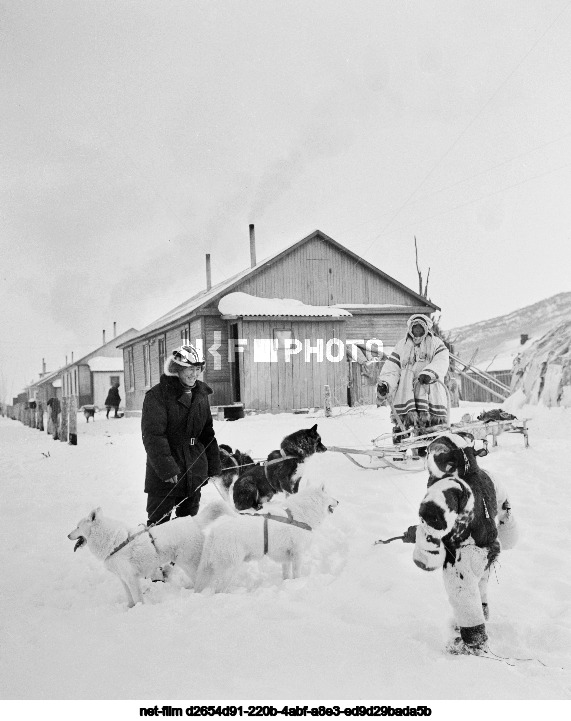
x=86, y=377
x=341, y=297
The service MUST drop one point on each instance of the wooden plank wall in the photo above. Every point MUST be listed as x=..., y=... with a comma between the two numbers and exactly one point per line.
x=134, y=398
x=319, y=274
x=85, y=390
x=388, y=328
x=218, y=378
x=473, y=392
x=283, y=386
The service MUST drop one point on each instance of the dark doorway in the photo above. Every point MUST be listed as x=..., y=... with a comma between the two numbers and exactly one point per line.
x=236, y=363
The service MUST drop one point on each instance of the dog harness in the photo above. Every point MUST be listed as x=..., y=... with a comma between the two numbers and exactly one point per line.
x=131, y=538
x=290, y=520
x=271, y=463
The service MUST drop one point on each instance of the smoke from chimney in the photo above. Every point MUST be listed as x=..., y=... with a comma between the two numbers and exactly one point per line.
x=208, y=273
x=252, y=246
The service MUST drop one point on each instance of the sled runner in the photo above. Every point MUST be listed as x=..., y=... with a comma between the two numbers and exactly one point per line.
x=401, y=450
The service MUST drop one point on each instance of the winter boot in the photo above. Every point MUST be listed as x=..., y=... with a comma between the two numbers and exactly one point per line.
x=472, y=641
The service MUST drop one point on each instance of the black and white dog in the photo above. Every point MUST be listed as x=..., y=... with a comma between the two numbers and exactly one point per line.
x=281, y=472
x=233, y=463
x=465, y=518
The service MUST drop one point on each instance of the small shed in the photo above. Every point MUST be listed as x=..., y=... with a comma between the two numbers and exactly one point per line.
x=285, y=351
x=105, y=372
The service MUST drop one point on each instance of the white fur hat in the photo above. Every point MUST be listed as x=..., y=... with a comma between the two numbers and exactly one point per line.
x=184, y=356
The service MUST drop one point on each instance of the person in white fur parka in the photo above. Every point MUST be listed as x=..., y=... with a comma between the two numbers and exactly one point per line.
x=410, y=374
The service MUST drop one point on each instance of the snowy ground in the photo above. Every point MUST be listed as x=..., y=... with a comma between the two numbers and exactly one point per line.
x=362, y=623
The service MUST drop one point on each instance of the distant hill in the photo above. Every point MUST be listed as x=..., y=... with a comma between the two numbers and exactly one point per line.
x=497, y=340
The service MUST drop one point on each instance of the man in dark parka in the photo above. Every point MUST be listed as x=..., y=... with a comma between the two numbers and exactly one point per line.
x=113, y=400
x=178, y=436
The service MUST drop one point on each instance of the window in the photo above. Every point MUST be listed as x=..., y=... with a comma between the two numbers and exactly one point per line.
x=131, y=368
x=280, y=338
x=162, y=354
x=147, y=364
x=185, y=334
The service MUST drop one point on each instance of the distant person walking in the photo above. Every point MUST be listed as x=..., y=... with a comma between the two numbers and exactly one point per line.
x=113, y=400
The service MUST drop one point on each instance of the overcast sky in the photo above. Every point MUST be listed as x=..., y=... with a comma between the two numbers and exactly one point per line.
x=137, y=136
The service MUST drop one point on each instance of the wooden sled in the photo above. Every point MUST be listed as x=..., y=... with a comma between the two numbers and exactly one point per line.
x=403, y=455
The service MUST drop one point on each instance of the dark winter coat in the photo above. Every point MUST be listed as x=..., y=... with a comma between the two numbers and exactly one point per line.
x=113, y=397
x=178, y=436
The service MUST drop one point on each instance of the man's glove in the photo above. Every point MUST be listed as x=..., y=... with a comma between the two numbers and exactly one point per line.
x=382, y=389
x=409, y=535
x=173, y=480
x=425, y=378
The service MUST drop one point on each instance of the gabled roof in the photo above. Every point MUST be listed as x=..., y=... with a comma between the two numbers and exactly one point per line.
x=82, y=361
x=205, y=297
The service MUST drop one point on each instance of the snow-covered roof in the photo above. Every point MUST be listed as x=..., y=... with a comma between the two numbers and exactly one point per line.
x=243, y=304
x=104, y=364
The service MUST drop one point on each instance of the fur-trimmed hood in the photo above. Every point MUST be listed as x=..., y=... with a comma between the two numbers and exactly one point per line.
x=170, y=366
x=422, y=320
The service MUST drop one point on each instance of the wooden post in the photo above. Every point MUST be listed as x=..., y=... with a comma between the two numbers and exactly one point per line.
x=327, y=402
x=40, y=415
x=64, y=424
x=72, y=424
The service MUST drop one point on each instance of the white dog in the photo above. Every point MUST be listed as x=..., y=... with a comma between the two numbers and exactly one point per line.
x=137, y=553
x=284, y=536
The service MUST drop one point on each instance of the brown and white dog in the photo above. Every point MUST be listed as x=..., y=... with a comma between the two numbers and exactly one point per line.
x=465, y=518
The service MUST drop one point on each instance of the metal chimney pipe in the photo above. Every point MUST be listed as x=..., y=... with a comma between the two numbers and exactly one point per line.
x=114, y=329
x=104, y=337
x=72, y=356
x=43, y=366
x=252, y=246
x=66, y=360
x=208, y=273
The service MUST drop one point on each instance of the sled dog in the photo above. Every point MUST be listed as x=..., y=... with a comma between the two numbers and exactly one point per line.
x=281, y=472
x=179, y=541
x=232, y=539
x=233, y=463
